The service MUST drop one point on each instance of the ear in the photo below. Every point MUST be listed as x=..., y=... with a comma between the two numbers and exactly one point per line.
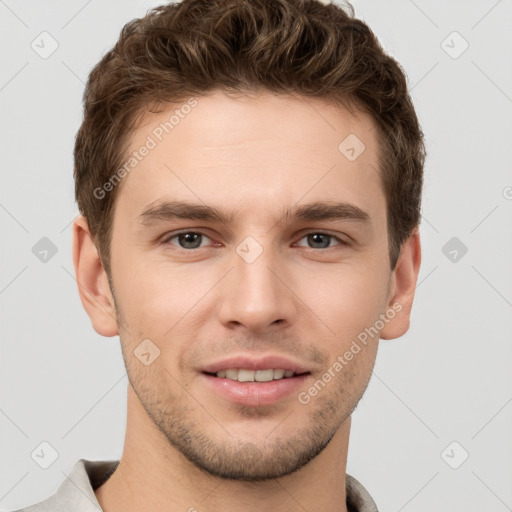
x=92, y=280
x=402, y=287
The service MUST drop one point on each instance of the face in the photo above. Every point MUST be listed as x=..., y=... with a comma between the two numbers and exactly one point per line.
x=247, y=248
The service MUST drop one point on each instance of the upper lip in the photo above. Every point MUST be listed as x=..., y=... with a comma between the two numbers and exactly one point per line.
x=248, y=362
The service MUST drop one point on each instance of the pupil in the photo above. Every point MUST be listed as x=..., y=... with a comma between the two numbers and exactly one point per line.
x=316, y=240
x=189, y=240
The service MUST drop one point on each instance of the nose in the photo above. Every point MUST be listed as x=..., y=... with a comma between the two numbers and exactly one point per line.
x=258, y=295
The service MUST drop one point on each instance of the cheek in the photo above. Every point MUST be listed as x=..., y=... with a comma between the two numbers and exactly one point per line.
x=158, y=299
x=346, y=299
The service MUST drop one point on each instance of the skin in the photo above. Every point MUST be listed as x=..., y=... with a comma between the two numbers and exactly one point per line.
x=253, y=157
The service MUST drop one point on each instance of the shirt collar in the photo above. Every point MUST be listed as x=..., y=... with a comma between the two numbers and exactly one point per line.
x=77, y=491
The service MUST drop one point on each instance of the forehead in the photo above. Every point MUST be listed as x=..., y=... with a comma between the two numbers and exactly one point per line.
x=252, y=153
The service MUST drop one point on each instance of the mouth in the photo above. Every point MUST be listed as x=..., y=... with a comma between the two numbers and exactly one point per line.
x=255, y=381
x=263, y=375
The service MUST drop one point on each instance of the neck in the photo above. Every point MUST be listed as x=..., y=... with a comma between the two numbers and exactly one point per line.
x=153, y=475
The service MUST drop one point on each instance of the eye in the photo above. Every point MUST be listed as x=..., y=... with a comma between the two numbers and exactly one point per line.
x=187, y=239
x=190, y=240
x=320, y=240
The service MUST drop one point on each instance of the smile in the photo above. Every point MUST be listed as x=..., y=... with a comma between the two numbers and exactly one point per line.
x=244, y=375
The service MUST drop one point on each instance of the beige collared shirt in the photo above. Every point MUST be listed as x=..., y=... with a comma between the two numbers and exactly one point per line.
x=76, y=493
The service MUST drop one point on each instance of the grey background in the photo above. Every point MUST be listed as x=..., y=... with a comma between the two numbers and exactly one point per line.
x=448, y=379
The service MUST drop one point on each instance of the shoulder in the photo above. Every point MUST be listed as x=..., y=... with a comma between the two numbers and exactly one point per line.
x=76, y=492
x=358, y=498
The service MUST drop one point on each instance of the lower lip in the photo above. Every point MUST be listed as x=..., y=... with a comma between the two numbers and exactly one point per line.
x=255, y=393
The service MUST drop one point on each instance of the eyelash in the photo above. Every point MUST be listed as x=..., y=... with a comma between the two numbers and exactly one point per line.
x=166, y=241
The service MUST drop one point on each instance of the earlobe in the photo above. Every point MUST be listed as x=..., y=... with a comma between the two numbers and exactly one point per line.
x=403, y=286
x=92, y=281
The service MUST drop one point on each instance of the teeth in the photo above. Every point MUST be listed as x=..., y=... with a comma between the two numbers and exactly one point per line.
x=243, y=375
x=231, y=374
x=278, y=374
x=263, y=375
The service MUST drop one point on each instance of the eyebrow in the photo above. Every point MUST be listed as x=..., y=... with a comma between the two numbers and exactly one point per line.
x=330, y=210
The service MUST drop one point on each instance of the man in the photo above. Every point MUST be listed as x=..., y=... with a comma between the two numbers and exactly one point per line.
x=249, y=174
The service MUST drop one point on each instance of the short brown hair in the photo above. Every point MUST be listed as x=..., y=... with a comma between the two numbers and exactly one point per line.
x=301, y=47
